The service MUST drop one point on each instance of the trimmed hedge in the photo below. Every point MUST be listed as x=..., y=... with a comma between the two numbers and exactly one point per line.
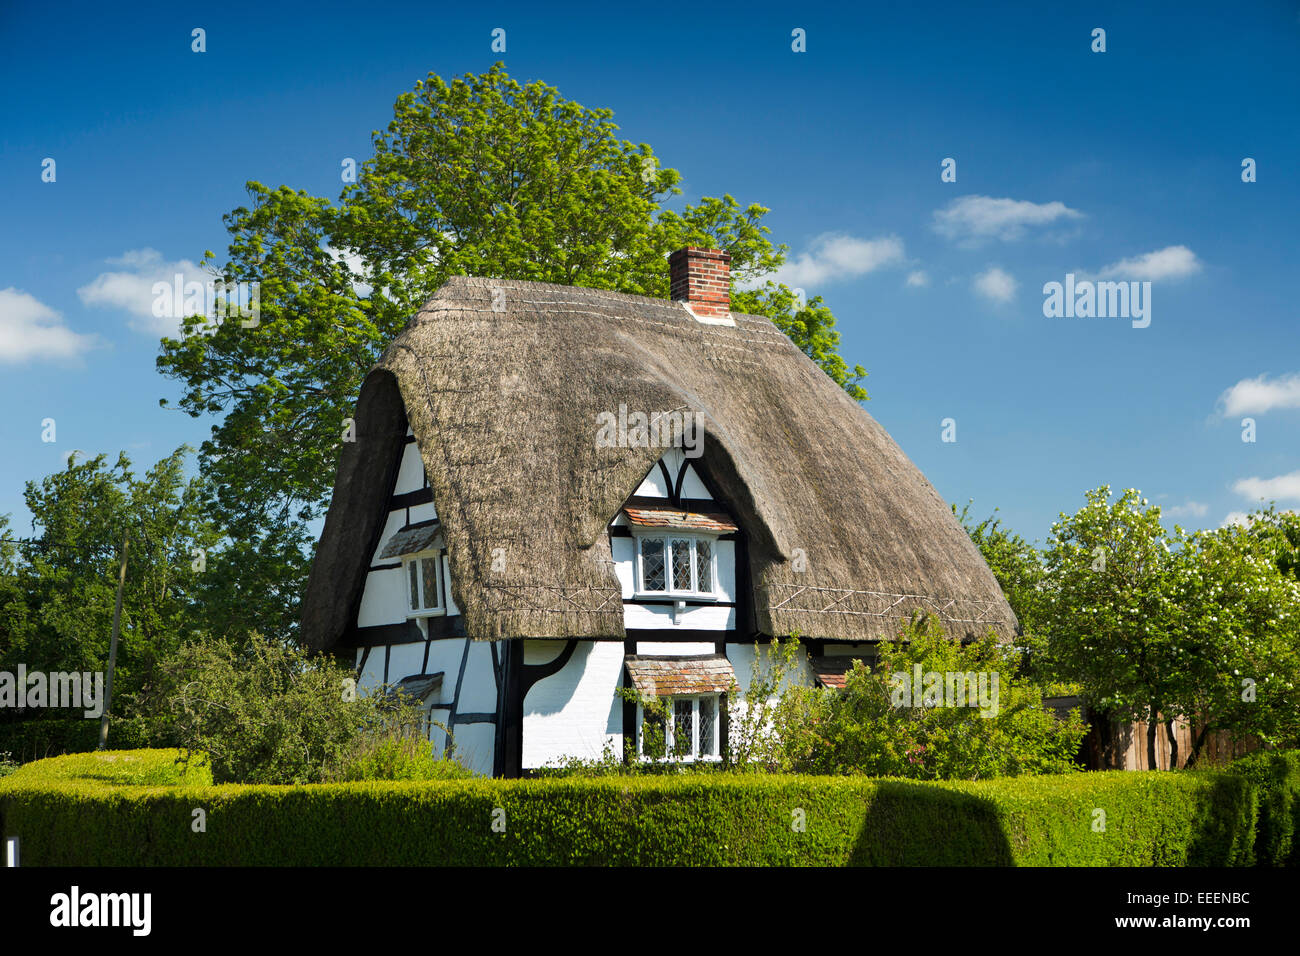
x=92, y=810
x=115, y=768
x=1276, y=775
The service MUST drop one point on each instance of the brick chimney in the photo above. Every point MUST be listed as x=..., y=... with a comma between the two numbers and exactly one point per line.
x=702, y=279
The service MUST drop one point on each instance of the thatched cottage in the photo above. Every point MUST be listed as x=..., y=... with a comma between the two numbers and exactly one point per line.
x=555, y=492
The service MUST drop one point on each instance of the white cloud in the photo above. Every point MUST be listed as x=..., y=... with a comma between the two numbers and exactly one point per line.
x=1190, y=509
x=917, y=279
x=975, y=218
x=1268, y=489
x=1254, y=396
x=132, y=289
x=833, y=258
x=996, y=285
x=1234, y=517
x=1171, y=262
x=31, y=331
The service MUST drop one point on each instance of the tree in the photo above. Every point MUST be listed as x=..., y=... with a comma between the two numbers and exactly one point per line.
x=1278, y=533
x=1204, y=626
x=1241, y=608
x=1111, y=615
x=57, y=590
x=479, y=176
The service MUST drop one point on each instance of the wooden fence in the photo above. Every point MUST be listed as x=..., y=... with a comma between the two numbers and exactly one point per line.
x=1122, y=745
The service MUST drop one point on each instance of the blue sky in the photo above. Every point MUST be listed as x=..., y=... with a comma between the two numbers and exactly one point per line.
x=1122, y=165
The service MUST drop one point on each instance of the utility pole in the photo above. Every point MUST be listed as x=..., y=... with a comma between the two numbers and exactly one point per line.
x=112, y=645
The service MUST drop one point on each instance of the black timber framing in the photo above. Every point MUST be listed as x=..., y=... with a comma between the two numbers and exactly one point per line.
x=686, y=504
x=684, y=635
x=518, y=679
x=455, y=697
x=507, y=754
x=405, y=632
x=629, y=706
x=410, y=499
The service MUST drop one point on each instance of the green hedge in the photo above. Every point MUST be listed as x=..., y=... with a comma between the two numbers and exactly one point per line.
x=1276, y=775
x=115, y=768
x=109, y=809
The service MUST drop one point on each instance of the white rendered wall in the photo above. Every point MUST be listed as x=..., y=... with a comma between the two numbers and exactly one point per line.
x=674, y=648
x=474, y=747
x=410, y=471
x=384, y=598
x=575, y=712
x=703, y=617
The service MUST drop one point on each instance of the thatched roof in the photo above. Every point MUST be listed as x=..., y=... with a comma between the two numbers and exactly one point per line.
x=845, y=536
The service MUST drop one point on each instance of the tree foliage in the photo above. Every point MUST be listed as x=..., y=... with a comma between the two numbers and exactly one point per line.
x=1241, y=606
x=1158, y=624
x=1017, y=565
x=58, y=589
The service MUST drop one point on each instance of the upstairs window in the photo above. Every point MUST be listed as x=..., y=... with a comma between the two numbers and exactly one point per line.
x=424, y=597
x=676, y=565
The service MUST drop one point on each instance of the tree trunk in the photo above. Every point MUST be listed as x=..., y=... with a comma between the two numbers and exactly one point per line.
x=1151, y=739
x=1197, y=745
x=112, y=646
x=1173, y=744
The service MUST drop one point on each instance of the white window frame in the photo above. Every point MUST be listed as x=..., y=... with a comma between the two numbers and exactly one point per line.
x=667, y=537
x=670, y=733
x=435, y=556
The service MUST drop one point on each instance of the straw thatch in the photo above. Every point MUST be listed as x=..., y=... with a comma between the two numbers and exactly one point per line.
x=846, y=538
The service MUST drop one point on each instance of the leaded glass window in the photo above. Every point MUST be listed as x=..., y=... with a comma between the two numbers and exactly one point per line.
x=652, y=564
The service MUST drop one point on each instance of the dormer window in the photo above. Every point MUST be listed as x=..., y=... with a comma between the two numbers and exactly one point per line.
x=424, y=584
x=420, y=548
x=677, y=565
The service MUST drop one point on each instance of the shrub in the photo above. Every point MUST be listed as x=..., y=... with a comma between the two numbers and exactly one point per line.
x=395, y=757
x=67, y=814
x=266, y=712
x=872, y=727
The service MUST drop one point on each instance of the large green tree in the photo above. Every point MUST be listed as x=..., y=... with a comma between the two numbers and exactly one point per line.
x=480, y=176
x=1241, y=626
x=1152, y=621
x=1111, y=619
x=58, y=587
